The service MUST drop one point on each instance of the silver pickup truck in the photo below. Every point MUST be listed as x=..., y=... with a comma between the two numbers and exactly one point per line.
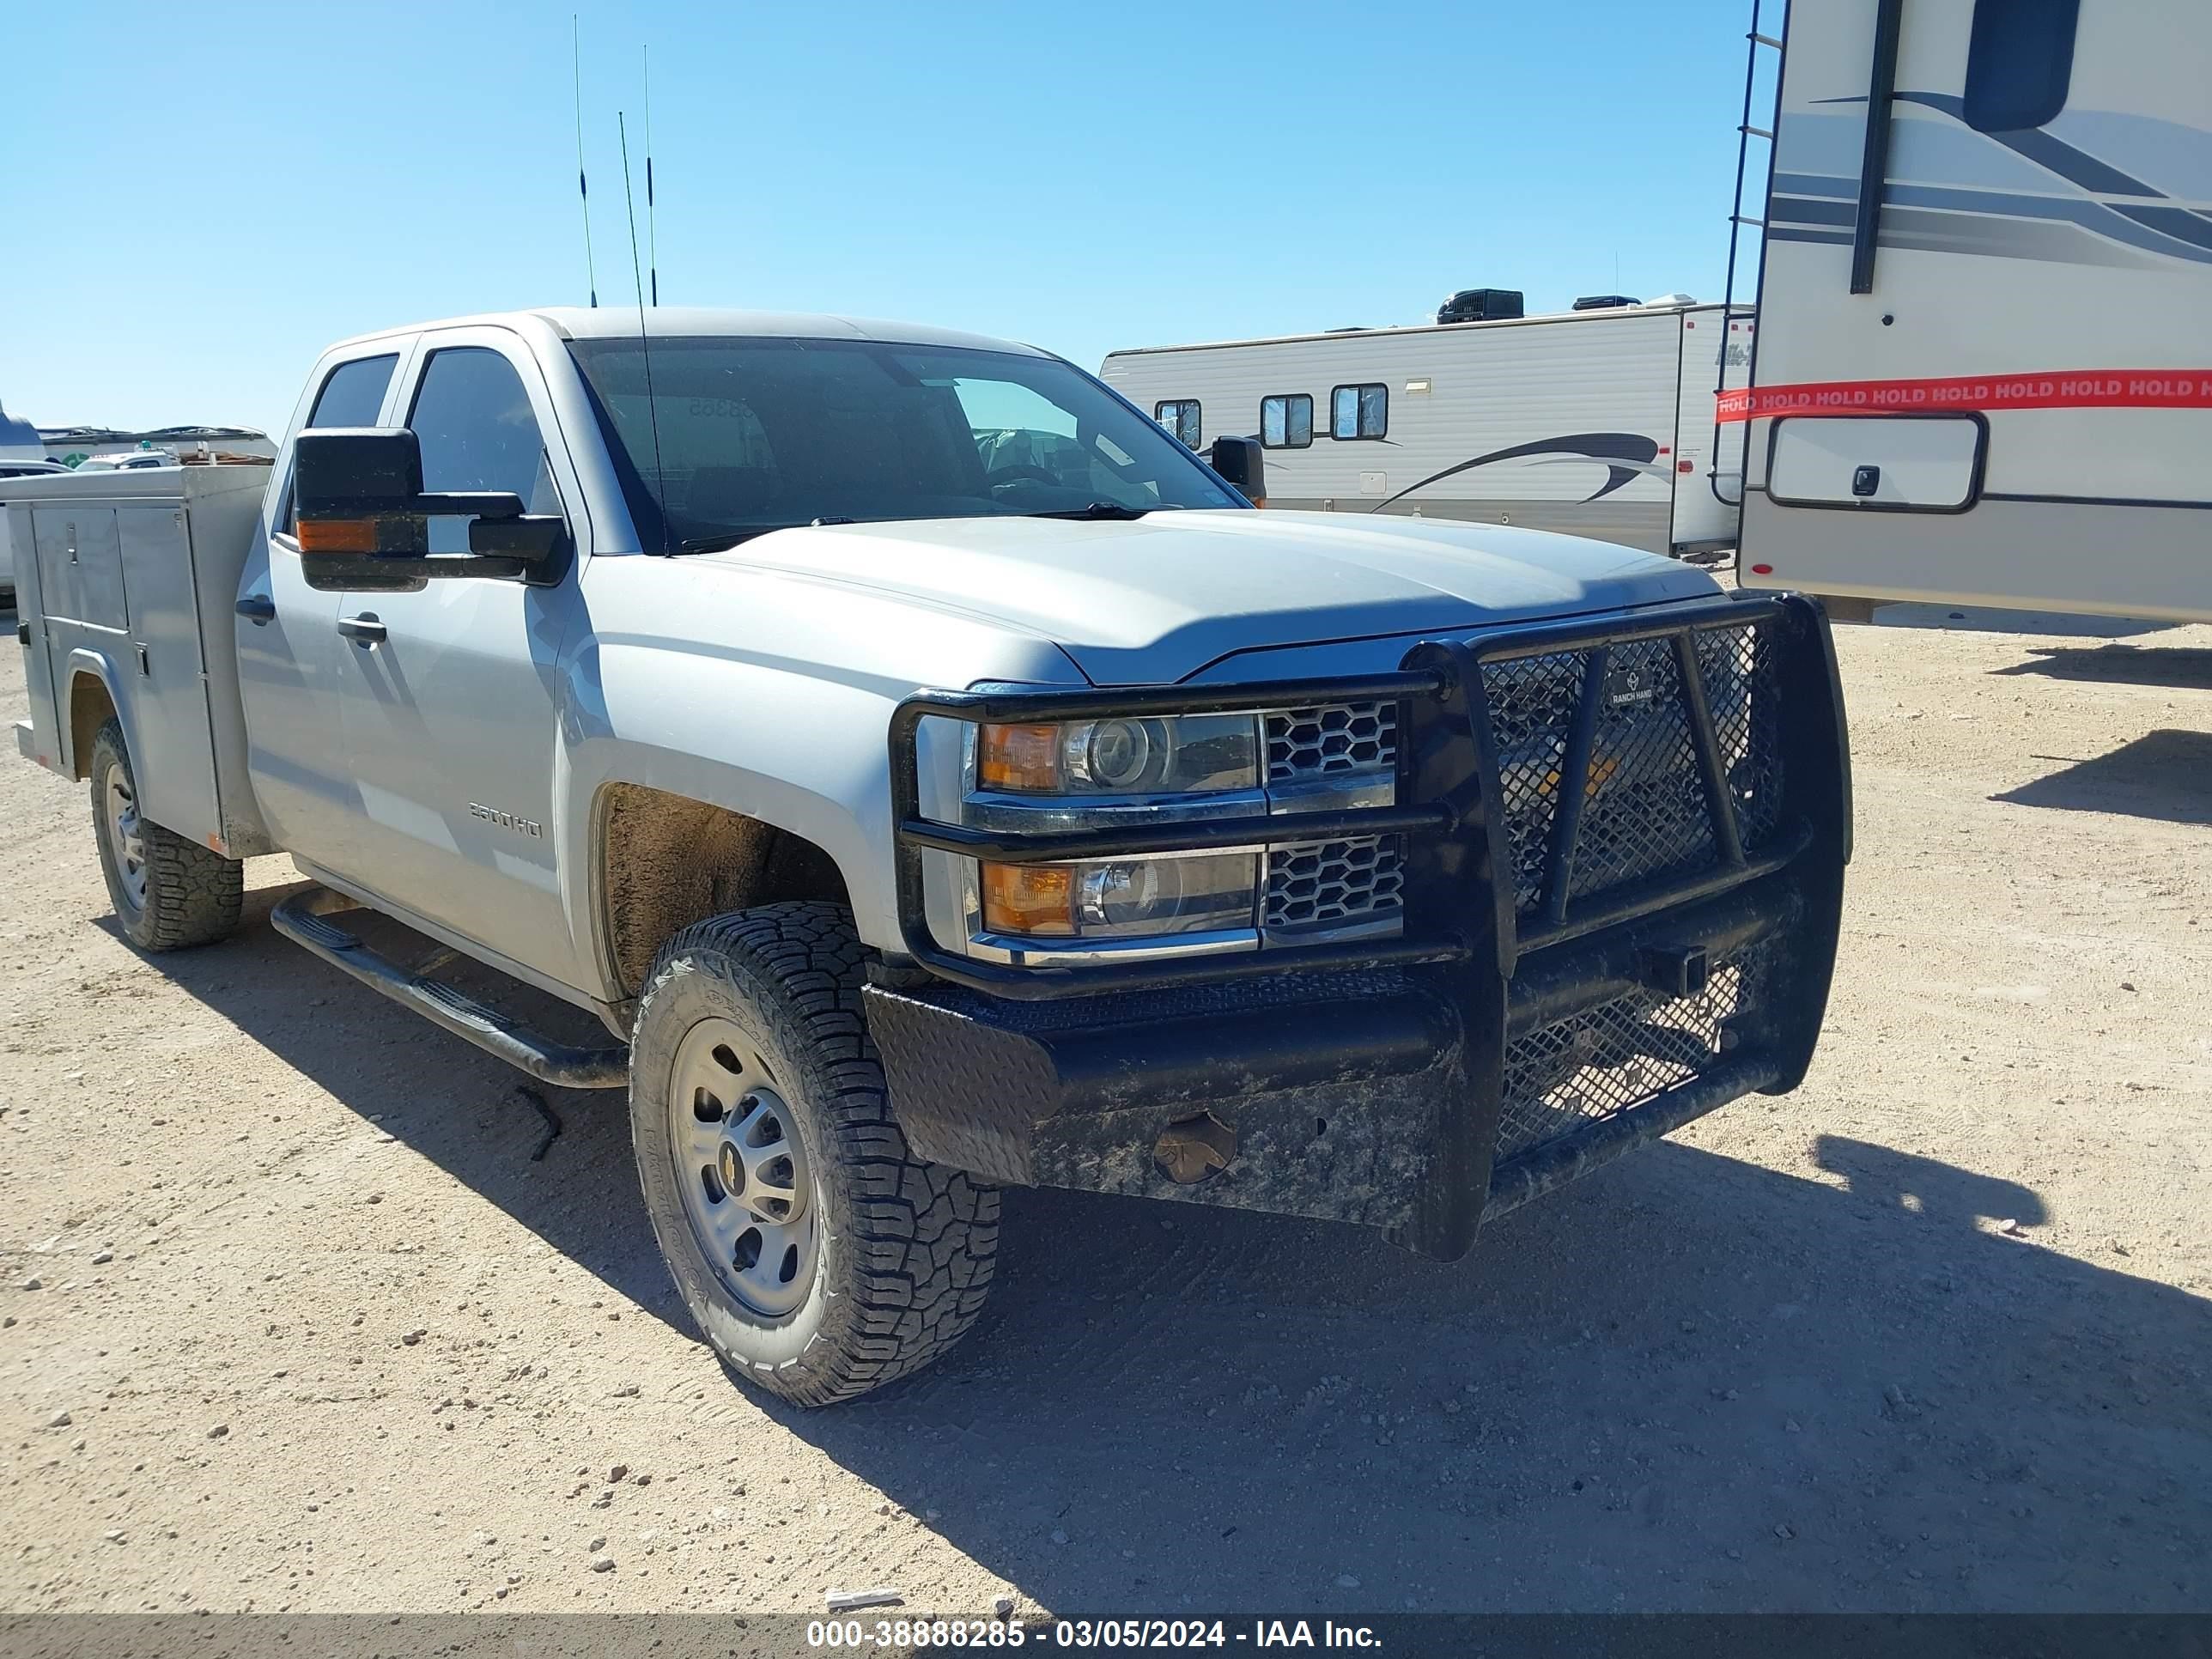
x=938, y=778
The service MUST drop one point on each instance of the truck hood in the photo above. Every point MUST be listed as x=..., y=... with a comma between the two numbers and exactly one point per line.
x=1156, y=599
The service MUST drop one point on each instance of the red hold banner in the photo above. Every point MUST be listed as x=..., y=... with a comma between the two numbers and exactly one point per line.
x=2085, y=388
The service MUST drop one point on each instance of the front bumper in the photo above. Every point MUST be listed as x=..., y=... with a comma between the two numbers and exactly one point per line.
x=1518, y=1033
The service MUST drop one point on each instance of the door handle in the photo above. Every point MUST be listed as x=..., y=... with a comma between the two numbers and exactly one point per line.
x=363, y=630
x=257, y=608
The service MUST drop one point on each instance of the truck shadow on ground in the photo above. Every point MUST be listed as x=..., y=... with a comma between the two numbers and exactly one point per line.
x=2165, y=775
x=1689, y=1382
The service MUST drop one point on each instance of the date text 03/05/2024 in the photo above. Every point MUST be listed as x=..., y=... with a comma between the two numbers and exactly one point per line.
x=904, y=1634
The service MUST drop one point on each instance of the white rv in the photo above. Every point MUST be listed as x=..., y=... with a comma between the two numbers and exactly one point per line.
x=1984, y=372
x=1595, y=422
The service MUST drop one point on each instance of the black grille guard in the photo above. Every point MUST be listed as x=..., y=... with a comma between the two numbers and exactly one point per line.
x=1463, y=937
x=1449, y=802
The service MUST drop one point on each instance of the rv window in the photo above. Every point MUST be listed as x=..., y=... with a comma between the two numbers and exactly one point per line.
x=1359, y=412
x=1286, y=421
x=1180, y=416
x=2019, y=62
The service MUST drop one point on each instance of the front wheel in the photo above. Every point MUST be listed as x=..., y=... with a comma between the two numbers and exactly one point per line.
x=819, y=1256
x=168, y=892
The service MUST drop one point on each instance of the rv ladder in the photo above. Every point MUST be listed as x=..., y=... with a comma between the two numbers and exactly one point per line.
x=1730, y=313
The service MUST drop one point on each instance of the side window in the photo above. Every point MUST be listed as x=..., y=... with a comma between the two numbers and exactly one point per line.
x=1180, y=416
x=1359, y=412
x=2019, y=62
x=1286, y=421
x=352, y=394
x=478, y=432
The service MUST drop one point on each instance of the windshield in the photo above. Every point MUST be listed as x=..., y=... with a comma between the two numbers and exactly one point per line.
x=757, y=434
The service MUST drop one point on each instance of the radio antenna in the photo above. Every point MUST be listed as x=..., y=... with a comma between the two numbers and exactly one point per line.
x=644, y=337
x=652, y=234
x=583, y=190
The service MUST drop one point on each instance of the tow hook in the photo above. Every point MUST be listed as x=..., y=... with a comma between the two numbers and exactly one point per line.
x=1191, y=1149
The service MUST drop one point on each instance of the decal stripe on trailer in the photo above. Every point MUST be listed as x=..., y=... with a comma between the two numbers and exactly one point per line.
x=2081, y=388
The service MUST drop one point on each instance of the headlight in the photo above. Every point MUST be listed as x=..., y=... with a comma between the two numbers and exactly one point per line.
x=1178, y=755
x=1120, y=898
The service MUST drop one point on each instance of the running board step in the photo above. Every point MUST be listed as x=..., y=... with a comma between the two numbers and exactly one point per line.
x=300, y=918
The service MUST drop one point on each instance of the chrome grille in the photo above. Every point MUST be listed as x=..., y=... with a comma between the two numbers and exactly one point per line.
x=1335, y=737
x=1623, y=1053
x=1331, y=883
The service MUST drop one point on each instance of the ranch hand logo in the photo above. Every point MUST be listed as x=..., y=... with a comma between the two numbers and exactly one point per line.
x=1625, y=684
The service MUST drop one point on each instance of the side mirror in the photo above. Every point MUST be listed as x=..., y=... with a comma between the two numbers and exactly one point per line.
x=364, y=519
x=1241, y=462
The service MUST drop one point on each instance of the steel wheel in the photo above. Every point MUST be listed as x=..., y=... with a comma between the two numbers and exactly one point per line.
x=818, y=1256
x=742, y=1169
x=127, y=836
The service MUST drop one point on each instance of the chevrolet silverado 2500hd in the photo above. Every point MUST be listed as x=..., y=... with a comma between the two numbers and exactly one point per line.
x=937, y=777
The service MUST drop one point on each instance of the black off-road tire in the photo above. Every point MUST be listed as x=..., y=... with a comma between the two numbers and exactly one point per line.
x=193, y=893
x=903, y=1248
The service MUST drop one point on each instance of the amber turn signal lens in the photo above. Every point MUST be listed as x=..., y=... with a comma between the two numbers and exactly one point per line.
x=1022, y=758
x=1031, y=899
x=337, y=535
x=1603, y=767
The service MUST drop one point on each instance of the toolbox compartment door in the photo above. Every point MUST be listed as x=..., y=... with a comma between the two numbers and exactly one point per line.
x=80, y=564
x=165, y=674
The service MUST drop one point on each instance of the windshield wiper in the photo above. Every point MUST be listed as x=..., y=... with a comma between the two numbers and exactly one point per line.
x=1096, y=510
x=731, y=538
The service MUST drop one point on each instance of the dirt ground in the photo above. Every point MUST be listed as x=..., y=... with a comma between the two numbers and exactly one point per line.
x=293, y=1320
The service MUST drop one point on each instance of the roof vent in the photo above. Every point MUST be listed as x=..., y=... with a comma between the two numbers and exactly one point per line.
x=1605, y=302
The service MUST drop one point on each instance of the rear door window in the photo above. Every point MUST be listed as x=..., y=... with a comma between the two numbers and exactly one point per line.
x=352, y=395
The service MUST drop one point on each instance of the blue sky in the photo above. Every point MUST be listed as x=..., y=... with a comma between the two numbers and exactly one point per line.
x=198, y=200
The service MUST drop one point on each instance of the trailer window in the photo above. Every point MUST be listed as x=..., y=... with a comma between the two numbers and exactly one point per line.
x=352, y=395
x=2020, y=62
x=1359, y=412
x=1286, y=421
x=1180, y=416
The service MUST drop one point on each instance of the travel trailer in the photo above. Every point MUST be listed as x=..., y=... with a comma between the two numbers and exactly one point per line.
x=1984, y=372
x=1598, y=422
